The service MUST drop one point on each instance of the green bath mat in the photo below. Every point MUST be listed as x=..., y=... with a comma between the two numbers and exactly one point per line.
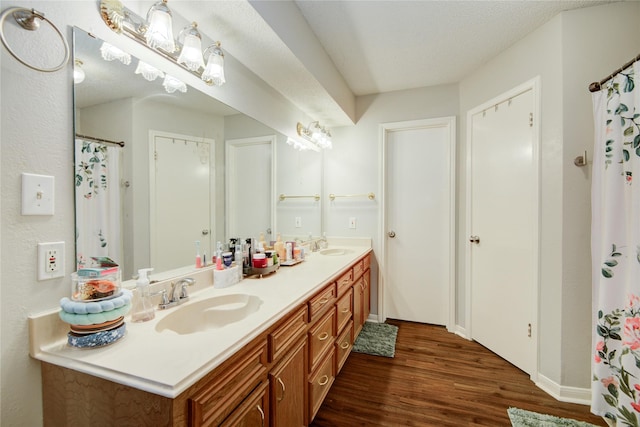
x=522, y=418
x=377, y=339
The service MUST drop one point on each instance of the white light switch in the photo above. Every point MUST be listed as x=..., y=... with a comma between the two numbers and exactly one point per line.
x=37, y=194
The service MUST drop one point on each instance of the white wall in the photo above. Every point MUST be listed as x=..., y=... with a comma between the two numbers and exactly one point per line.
x=36, y=136
x=562, y=53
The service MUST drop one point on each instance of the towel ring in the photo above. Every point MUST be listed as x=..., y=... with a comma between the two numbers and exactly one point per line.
x=27, y=20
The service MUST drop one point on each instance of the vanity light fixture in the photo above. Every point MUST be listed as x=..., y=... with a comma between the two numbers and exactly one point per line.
x=149, y=72
x=159, y=32
x=316, y=134
x=110, y=53
x=171, y=84
x=214, y=71
x=78, y=72
x=191, y=52
x=302, y=144
x=156, y=33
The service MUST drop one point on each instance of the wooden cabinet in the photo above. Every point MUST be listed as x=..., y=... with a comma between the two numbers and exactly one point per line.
x=214, y=400
x=288, y=388
x=279, y=379
x=320, y=382
x=253, y=411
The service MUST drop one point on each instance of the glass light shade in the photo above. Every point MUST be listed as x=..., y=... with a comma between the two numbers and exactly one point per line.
x=110, y=53
x=159, y=34
x=149, y=72
x=214, y=71
x=78, y=72
x=171, y=84
x=191, y=52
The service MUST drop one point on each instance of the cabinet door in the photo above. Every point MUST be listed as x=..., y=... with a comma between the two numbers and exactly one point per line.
x=252, y=412
x=366, y=304
x=358, y=306
x=287, y=382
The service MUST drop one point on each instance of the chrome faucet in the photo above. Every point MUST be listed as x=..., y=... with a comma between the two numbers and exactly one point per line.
x=178, y=293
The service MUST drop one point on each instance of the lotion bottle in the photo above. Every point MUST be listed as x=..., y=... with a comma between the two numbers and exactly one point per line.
x=198, y=257
x=143, y=309
x=278, y=246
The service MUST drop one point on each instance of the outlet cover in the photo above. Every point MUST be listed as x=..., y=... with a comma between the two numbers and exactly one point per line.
x=50, y=260
x=298, y=222
x=352, y=222
x=37, y=194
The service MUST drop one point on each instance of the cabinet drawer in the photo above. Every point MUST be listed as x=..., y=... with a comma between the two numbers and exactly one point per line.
x=344, y=310
x=216, y=399
x=344, y=343
x=322, y=300
x=320, y=383
x=287, y=334
x=344, y=282
x=321, y=338
x=367, y=262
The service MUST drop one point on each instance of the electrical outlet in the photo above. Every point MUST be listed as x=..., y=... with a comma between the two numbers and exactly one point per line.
x=298, y=222
x=50, y=260
x=352, y=222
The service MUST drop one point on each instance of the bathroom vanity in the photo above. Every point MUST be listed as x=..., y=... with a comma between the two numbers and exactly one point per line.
x=270, y=366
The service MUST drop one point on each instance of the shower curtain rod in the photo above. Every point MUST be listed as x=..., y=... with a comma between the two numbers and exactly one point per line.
x=104, y=141
x=596, y=86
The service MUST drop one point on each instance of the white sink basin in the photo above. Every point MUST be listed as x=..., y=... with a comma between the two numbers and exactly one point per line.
x=211, y=313
x=334, y=252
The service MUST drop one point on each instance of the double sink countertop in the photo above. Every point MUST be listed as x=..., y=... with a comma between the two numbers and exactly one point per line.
x=167, y=363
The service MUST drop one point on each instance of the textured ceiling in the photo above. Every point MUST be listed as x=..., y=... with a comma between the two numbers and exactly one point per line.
x=382, y=46
x=372, y=46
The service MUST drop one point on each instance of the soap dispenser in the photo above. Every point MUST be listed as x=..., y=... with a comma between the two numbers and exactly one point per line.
x=143, y=309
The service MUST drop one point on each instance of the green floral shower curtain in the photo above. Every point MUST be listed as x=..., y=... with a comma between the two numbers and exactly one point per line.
x=97, y=177
x=615, y=249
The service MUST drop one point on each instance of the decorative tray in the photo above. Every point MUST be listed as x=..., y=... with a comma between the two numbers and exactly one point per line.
x=252, y=271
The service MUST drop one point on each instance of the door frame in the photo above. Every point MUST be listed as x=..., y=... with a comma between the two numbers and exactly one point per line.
x=153, y=133
x=533, y=85
x=384, y=129
x=229, y=151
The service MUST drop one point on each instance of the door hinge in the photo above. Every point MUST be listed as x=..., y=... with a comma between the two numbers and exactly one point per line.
x=529, y=330
x=155, y=155
x=530, y=120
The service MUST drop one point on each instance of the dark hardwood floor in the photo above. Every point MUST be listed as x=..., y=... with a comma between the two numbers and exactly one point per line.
x=435, y=379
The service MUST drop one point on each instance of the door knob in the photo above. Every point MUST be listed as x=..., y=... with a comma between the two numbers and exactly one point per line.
x=474, y=239
x=391, y=234
x=205, y=232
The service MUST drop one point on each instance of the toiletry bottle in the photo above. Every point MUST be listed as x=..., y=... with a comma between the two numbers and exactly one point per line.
x=143, y=309
x=219, y=256
x=279, y=248
x=289, y=250
x=239, y=260
x=198, y=257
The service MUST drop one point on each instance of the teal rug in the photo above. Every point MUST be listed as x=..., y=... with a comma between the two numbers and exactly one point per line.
x=377, y=339
x=522, y=418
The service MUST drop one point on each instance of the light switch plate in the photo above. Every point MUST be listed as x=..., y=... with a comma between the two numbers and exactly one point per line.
x=37, y=194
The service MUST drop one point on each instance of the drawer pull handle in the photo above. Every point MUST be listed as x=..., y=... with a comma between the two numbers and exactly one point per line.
x=344, y=345
x=323, y=301
x=281, y=398
x=345, y=310
x=261, y=414
x=323, y=336
x=323, y=380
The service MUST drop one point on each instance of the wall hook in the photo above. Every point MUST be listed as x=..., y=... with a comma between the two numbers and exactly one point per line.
x=581, y=160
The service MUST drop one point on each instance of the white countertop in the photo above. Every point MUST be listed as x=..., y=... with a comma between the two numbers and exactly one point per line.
x=166, y=363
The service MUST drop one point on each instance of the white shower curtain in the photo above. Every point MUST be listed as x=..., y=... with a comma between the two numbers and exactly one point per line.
x=615, y=250
x=97, y=177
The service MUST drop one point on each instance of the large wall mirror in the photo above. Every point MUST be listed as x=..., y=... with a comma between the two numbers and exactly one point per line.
x=190, y=169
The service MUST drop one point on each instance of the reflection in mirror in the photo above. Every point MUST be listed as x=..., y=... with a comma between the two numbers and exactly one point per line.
x=165, y=188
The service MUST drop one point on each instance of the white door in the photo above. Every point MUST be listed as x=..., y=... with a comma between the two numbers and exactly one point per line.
x=419, y=224
x=503, y=228
x=181, y=212
x=249, y=190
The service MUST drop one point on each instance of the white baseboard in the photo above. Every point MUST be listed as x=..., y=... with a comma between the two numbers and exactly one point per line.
x=461, y=332
x=562, y=393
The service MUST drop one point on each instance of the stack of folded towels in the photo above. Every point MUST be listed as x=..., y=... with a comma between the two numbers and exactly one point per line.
x=96, y=311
